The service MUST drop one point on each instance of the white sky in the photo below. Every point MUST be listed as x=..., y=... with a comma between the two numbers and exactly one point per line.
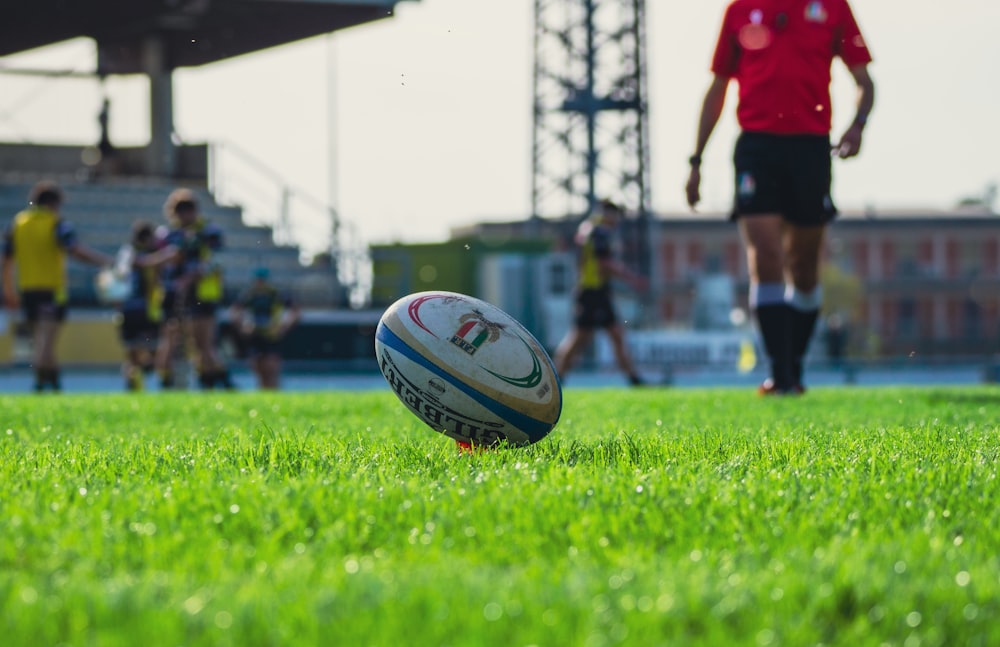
x=430, y=110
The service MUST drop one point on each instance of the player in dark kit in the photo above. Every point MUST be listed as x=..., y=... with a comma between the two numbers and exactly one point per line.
x=264, y=316
x=192, y=291
x=594, y=307
x=141, y=312
x=780, y=53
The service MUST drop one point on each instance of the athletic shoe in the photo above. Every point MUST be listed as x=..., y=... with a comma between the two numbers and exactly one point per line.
x=768, y=387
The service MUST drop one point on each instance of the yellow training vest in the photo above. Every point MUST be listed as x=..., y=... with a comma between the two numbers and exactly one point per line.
x=41, y=261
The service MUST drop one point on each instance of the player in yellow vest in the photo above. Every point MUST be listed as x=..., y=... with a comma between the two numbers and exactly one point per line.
x=594, y=307
x=34, y=274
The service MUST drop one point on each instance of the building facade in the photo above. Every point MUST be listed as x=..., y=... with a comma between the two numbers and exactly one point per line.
x=905, y=283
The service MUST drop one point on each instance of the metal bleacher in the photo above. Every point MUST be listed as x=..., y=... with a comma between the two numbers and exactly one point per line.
x=103, y=213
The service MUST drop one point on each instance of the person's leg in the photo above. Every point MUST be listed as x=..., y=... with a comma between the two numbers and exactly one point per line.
x=201, y=335
x=616, y=332
x=133, y=369
x=257, y=368
x=810, y=208
x=803, y=293
x=46, y=334
x=166, y=350
x=569, y=348
x=210, y=368
x=763, y=236
x=270, y=371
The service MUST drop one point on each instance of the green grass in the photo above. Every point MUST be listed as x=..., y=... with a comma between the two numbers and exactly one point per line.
x=648, y=517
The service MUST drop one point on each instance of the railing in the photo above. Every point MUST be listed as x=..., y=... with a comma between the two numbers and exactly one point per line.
x=296, y=217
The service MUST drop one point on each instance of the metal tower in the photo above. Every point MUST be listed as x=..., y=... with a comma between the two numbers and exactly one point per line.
x=591, y=129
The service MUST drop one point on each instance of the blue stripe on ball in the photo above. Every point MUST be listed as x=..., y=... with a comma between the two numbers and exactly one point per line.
x=535, y=429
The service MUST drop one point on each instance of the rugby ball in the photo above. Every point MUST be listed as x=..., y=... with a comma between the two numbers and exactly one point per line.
x=468, y=369
x=111, y=287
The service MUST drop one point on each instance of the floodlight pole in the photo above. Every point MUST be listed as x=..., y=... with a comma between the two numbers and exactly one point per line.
x=591, y=134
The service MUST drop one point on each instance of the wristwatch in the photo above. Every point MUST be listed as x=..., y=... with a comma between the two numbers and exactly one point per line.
x=694, y=160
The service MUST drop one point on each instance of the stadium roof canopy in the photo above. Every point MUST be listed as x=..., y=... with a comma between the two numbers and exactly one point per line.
x=190, y=32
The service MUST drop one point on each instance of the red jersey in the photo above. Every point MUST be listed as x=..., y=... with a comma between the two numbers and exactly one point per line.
x=780, y=53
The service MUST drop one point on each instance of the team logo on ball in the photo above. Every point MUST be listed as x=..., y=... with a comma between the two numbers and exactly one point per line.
x=475, y=331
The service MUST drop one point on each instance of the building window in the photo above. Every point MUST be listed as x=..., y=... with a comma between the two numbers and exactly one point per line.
x=558, y=278
x=971, y=319
x=970, y=258
x=907, y=324
x=907, y=261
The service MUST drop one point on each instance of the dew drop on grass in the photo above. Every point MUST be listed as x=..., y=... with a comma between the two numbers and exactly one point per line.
x=913, y=619
x=962, y=578
x=492, y=612
x=233, y=509
x=194, y=604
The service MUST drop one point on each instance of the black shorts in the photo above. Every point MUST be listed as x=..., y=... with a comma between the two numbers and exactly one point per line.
x=258, y=345
x=175, y=307
x=594, y=309
x=137, y=330
x=171, y=305
x=788, y=175
x=42, y=304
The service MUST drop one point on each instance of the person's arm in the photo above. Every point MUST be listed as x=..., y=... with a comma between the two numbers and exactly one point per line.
x=160, y=257
x=711, y=110
x=9, y=290
x=611, y=267
x=850, y=143
x=291, y=318
x=67, y=239
x=81, y=252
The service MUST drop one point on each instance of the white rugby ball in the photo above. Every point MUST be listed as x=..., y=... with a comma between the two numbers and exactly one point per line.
x=111, y=287
x=468, y=369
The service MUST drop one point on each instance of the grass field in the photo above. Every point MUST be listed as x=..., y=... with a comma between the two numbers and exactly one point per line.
x=648, y=517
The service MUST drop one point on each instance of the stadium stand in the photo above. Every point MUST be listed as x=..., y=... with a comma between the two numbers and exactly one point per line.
x=104, y=212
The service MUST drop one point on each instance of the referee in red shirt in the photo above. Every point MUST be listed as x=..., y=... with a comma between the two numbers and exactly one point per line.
x=780, y=53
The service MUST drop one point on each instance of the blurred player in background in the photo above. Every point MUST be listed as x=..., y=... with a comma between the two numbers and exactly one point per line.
x=36, y=244
x=780, y=53
x=263, y=316
x=192, y=284
x=594, y=304
x=141, y=310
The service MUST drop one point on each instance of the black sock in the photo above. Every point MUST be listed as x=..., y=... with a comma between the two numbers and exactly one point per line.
x=774, y=321
x=802, y=324
x=225, y=380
